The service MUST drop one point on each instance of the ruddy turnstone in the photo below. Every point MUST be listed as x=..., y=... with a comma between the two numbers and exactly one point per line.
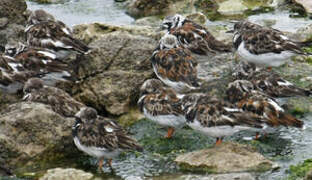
x=43, y=31
x=264, y=46
x=217, y=118
x=13, y=74
x=268, y=82
x=60, y=101
x=161, y=105
x=174, y=65
x=193, y=36
x=100, y=137
x=242, y=93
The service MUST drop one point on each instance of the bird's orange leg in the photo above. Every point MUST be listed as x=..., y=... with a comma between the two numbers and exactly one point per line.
x=170, y=132
x=100, y=163
x=218, y=141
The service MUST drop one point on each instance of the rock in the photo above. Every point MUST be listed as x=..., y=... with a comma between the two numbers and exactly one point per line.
x=308, y=175
x=306, y=4
x=233, y=7
x=232, y=176
x=12, y=21
x=220, y=9
x=226, y=158
x=12, y=32
x=31, y=133
x=49, y=1
x=198, y=17
x=301, y=170
x=152, y=21
x=13, y=10
x=111, y=75
x=143, y=8
x=3, y=22
x=65, y=174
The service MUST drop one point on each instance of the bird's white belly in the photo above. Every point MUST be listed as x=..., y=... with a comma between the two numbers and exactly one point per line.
x=95, y=151
x=267, y=59
x=216, y=131
x=177, y=85
x=166, y=120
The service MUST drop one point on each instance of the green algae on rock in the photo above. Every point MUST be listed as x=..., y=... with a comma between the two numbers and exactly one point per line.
x=300, y=170
x=142, y=8
x=226, y=158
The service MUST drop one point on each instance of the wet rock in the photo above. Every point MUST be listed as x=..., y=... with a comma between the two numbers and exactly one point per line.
x=64, y=174
x=232, y=176
x=143, y=8
x=32, y=132
x=110, y=76
x=221, y=9
x=226, y=158
x=306, y=4
x=309, y=175
x=301, y=170
x=49, y=1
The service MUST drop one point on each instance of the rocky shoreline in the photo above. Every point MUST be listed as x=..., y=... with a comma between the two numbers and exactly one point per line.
x=34, y=138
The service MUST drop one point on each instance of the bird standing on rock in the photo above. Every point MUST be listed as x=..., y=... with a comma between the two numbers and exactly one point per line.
x=51, y=34
x=264, y=46
x=193, y=36
x=100, y=137
x=174, y=65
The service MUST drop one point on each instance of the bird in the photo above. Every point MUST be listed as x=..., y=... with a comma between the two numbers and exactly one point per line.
x=217, y=118
x=48, y=33
x=101, y=137
x=60, y=101
x=264, y=46
x=12, y=75
x=174, y=65
x=242, y=93
x=193, y=36
x=268, y=82
x=161, y=105
x=21, y=62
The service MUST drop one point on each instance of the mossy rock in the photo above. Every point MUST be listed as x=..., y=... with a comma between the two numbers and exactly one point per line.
x=300, y=170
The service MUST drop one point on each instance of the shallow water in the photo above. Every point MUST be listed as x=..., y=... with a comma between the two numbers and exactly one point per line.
x=85, y=11
x=287, y=147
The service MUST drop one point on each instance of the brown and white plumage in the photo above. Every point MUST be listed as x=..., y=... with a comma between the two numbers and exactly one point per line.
x=194, y=36
x=101, y=137
x=54, y=35
x=268, y=82
x=174, y=65
x=217, y=118
x=263, y=45
x=60, y=101
x=243, y=94
x=161, y=105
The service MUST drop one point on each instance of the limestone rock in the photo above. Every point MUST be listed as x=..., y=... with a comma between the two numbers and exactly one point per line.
x=143, y=8
x=12, y=21
x=29, y=130
x=65, y=174
x=306, y=4
x=226, y=158
x=110, y=76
